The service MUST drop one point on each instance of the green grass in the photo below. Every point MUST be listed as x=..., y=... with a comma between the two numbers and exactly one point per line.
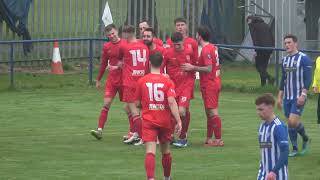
x=45, y=124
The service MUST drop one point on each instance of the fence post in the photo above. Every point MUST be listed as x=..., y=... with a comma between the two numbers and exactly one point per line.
x=277, y=68
x=11, y=65
x=90, y=61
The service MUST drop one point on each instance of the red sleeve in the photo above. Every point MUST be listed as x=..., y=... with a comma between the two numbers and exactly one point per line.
x=121, y=50
x=195, y=51
x=103, y=62
x=171, y=89
x=147, y=65
x=158, y=42
x=164, y=62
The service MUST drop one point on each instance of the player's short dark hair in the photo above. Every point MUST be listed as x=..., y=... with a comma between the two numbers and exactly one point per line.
x=144, y=20
x=291, y=36
x=176, y=37
x=180, y=19
x=204, y=32
x=266, y=98
x=110, y=27
x=150, y=29
x=156, y=59
x=128, y=29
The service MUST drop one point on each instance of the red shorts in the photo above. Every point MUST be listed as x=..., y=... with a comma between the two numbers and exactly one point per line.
x=210, y=97
x=111, y=89
x=184, y=95
x=128, y=94
x=151, y=131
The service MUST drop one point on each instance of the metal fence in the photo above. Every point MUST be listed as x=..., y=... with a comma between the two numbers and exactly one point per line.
x=290, y=17
x=91, y=53
x=50, y=19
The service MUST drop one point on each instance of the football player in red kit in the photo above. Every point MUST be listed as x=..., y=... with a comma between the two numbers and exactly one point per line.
x=135, y=65
x=155, y=94
x=174, y=58
x=111, y=61
x=210, y=84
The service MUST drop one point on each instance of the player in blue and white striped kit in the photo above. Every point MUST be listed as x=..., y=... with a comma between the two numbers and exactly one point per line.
x=294, y=85
x=273, y=140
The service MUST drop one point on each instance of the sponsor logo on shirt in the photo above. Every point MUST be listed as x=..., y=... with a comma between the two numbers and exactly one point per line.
x=138, y=73
x=159, y=107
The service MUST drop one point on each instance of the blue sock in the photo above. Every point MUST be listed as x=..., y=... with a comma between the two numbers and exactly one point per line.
x=293, y=134
x=302, y=132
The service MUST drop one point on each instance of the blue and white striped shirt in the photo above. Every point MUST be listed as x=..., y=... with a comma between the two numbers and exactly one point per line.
x=296, y=75
x=273, y=138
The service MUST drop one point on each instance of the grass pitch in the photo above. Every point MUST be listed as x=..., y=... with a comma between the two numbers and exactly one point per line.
x=45, y=126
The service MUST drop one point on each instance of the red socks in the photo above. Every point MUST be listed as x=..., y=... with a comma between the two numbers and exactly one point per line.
x=137, y=125
x=149, y=164
x=166, y=164
x=185, y=125
x=103, y=117
x=210, y=123
x=216, y=126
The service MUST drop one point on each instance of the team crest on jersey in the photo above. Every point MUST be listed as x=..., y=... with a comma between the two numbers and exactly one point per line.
x=209, y=56
x=188, y=57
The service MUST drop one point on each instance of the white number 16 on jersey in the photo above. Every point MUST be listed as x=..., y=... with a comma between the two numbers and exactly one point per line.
x=154, y=92
x=136, y=56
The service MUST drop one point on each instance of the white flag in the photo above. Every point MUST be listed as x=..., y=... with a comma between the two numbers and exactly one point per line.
x=107, y=17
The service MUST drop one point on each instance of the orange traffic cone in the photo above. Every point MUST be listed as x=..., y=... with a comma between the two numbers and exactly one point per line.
x=56, y=64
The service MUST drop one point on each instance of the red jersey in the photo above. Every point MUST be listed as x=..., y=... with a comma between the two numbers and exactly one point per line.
x=173, y=61
x=158, y=42
x=153, y=91
x=159, y=49
x=209, y=56
x=135, y=57
x=187, y=42
x=110, y=55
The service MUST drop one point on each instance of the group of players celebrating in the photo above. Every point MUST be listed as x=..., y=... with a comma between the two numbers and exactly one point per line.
x=156, y=83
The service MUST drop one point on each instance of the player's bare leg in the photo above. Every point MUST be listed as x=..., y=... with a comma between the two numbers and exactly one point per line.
x=166, y=160
x=213, y=126
x=102, y=118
